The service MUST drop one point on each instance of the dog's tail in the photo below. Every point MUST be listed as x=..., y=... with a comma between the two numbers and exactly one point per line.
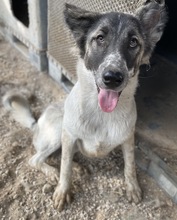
x=19, y=108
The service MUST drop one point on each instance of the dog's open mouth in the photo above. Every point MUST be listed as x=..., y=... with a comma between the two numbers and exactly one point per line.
x=108, y=99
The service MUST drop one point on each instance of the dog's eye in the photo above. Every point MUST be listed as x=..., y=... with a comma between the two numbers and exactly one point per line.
x=100, y=38
x=133, y=42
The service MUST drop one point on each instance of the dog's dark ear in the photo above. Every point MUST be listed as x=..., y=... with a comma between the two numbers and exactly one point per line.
x=79, y=21
x=153, y=17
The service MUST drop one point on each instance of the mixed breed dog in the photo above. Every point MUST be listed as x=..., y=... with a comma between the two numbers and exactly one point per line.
x=100, y=112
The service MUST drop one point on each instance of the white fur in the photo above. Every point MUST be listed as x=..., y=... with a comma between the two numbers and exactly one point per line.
x=95, y=133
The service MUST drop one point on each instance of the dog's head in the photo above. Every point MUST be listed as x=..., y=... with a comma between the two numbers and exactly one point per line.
x=113, y=45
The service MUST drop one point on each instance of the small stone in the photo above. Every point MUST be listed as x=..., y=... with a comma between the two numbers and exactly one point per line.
x=15, y=144
x=169, y=202
x=91, y=169
x=47, y=188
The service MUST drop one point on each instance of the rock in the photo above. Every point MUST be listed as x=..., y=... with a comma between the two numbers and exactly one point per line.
x=47, y=188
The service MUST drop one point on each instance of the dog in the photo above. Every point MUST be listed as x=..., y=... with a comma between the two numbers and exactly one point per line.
x=100, y=111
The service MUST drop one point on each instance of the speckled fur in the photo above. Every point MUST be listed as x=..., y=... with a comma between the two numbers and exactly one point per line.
x=85, y=126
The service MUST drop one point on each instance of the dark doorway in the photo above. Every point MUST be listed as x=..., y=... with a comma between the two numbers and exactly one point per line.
x=168, y=44
x=20, y=11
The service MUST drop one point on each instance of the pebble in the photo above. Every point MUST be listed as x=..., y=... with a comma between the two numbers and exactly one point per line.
x=47, y=188
x=15, y=144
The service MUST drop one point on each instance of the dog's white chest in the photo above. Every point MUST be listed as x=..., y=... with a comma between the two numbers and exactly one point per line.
x=99, y=142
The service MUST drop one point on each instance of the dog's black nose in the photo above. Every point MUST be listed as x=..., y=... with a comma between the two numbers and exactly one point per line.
x=113, y=79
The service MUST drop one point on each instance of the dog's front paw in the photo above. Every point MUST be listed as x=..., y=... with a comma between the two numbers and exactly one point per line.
x=61, y=197
x=133, y=192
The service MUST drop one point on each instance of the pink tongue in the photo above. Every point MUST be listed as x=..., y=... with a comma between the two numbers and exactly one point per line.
x=108, y=100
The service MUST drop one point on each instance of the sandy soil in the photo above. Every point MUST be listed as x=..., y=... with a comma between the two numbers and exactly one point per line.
x=25, y=193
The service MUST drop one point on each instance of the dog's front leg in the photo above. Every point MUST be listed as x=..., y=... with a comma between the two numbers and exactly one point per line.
x=62, y=192
x=132, y=187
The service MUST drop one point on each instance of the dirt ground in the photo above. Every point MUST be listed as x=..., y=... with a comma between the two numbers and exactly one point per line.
x=25, y=193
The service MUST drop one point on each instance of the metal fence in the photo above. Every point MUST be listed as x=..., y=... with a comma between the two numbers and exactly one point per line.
x=60, y=43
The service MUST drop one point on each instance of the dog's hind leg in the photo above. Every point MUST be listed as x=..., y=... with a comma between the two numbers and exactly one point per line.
x=132, y=187
x=46, y=140
x=38, y=161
